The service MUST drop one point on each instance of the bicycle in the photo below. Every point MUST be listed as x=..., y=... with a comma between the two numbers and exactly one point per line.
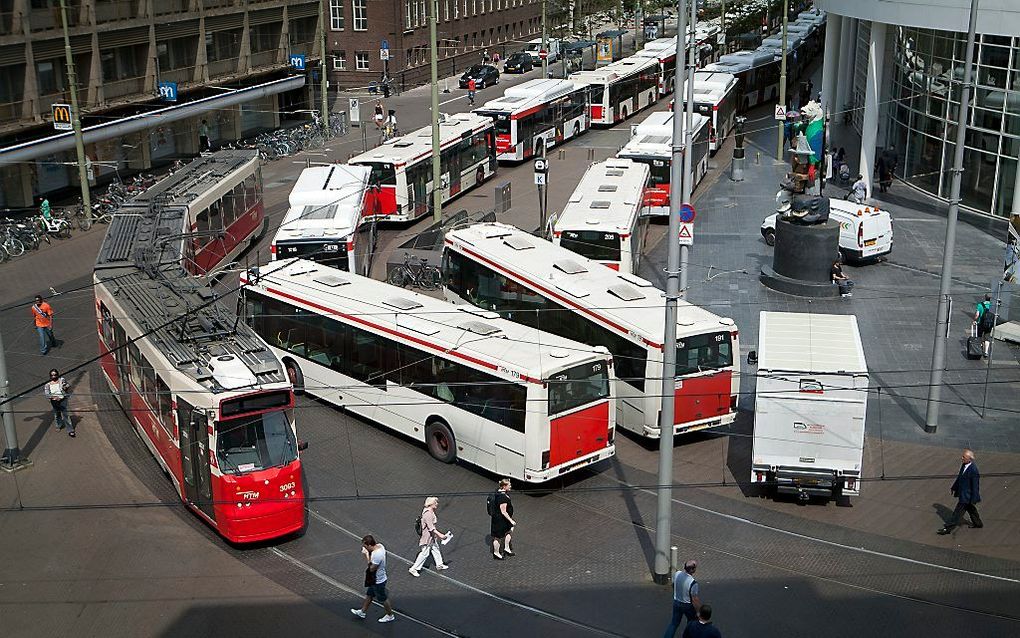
x=55, y=226
x=420, y=275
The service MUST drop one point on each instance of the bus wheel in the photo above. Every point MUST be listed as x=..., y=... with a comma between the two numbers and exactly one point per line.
x=441, y=442
x=479, y=175
x=294, y=376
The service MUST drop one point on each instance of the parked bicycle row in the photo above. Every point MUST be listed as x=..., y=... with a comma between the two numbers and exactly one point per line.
x=273, y=145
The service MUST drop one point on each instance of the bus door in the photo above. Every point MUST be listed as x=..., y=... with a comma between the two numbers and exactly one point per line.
x=121, y=357
x=194, y=433
x=418, y=188
x=454, y=165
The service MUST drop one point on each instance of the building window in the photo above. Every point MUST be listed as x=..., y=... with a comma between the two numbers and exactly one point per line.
x=360, y=15
x=424, y=13
x=361, y=61
x=408, y=17
x=340, y=61
x=336, y=15
x=222, y=45
x=446, y=10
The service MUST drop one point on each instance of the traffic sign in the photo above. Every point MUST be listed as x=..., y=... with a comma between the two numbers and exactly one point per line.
x=541, y=165
x=686, y=234
x=385, y=44
x=62, y=117
x=780, y=112
x=543, y=54
x=168, y=91
x=297, y=61
x=687, y=213
x=384, y=54
x=540, y=179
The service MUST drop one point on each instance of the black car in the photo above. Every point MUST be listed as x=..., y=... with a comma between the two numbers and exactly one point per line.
x=519, y=62
x=483, y=74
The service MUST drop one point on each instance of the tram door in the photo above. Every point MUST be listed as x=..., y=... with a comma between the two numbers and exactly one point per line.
x=194, y=433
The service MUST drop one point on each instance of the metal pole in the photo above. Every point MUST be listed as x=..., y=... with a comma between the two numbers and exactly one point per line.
x=437, y=171
x=991, y=344
x=688, y=181
x=782, y=79
x=639, y=25
x=545, y=43
x=12, y=452
x=664, y=495
x=938, y=358
x=722, y=26
x=79, y=146
x=324, y=82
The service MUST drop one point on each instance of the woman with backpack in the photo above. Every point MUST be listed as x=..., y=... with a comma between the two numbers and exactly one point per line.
x=430, y=535
x=501, y=511
x=984, y=321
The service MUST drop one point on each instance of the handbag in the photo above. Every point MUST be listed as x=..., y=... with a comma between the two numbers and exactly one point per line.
x=369, y=577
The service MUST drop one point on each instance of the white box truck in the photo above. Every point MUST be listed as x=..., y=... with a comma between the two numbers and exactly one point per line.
x=809, y=405
x=534, y=48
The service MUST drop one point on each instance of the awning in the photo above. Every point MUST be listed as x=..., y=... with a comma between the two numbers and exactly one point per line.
x=615, y=33
x=118, y=128
x=578, y=46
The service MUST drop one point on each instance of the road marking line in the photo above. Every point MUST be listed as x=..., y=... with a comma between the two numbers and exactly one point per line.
x=472, y=588
x=823, y=541
x=350, y=590
x=460, y=97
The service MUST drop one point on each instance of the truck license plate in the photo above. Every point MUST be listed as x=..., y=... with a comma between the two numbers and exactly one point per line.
x=870, y=242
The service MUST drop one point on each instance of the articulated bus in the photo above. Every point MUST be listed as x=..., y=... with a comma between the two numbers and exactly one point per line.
x=402, y=168
x=651, y=143
x=758, y=74
x=664, y=51
x=715, y=97
x=621, y=89
x=327, y=221
x=205, y=395
x=529, y=280
x=533, y=117
x=603, y=219
x=469, y=385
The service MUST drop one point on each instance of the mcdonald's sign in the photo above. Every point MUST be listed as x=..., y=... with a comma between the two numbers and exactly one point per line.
x=62, y=117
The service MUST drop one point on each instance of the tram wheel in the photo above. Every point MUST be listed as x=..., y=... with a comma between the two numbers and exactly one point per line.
x=442, y=445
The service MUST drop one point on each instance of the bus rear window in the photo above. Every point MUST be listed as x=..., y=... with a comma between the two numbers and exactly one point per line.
x=592, y=244
x=254, y=403
x=578, y=386
x=502, y=124
x=698, y=353
x=382, y=175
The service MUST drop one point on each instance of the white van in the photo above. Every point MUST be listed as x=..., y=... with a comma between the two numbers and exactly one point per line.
x=865, y=232
x=534, y=47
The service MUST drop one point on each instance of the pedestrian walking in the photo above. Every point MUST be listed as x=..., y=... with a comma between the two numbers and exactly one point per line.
x=703, y=628
x=501, y=511
x=471, y=91
x=44, y=209
x=685, y=598
x=379, y=115
x=375, y=579
x=56, y=391
x=859, y=191
x=429, y=538
x=967, y=490
x=984, y=322
x=42, y=313
x=203, y=137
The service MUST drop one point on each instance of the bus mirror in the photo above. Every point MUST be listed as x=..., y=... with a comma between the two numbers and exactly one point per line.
x=752, y=358
x=302, y=445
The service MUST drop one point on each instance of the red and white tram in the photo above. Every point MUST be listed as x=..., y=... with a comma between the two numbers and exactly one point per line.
x=205, y=394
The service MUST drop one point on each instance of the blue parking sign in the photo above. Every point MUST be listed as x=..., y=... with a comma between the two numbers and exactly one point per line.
x=168, y=91
x=297, y=61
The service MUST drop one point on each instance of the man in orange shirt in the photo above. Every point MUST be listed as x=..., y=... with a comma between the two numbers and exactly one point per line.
x=42, y=312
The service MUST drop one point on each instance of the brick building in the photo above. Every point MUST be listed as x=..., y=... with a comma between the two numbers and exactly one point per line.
x=465, y=29
x=229, y=59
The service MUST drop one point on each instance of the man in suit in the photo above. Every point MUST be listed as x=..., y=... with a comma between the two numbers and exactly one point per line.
x=967, y=489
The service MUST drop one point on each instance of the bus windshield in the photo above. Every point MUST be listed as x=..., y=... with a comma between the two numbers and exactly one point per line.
x=258, y=442
x=502, y=124
x=578, y=386
x=382, y=174
x=698, y=353
x=592, y=244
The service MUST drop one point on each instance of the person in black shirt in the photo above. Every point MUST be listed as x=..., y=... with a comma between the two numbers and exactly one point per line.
x=703, y=628
x=503, y=523
x=841, y=280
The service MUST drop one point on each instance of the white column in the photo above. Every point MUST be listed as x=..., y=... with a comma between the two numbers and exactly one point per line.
x=1016, y=191
x=872, y=98
x=830, y=61
x=847, y=48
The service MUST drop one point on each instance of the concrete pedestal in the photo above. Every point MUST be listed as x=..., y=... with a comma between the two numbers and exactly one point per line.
x=802, y=262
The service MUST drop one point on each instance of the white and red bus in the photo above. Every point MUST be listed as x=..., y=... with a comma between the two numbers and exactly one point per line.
x=651, y=143
x=471, y=386
x=401, y=177
x=715, y=97
x=604, y=218
x=664, y=51
x=757, y=72
x=533, y=117
x=531, y=281
x=207, y=397
x=621, y=89
x=327, y=221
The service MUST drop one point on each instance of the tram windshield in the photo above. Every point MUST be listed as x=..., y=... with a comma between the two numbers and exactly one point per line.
x=257, y=442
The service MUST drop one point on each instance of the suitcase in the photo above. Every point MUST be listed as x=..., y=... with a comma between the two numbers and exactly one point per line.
x=975, y=348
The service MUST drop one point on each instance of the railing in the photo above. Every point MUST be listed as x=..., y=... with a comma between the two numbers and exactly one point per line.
x=222, y=67
x=263, y=58
x=119, y=88
x=163, y=7
x=117, y=10
x=10, y=112
x=218, y=4
x=180, y=76
x=43, y=20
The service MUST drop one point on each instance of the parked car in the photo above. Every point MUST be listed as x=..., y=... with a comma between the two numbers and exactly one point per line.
x=483, y=74
x=519, y=62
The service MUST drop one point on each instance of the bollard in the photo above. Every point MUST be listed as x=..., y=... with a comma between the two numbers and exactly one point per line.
x=757, y=157
x=674, y=559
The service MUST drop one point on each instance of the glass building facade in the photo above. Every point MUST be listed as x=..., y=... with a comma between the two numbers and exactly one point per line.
x=924, y=110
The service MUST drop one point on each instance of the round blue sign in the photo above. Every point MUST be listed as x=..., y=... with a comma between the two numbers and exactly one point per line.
x=687, y=213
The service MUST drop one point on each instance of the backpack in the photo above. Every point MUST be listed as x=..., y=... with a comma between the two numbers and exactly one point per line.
x=490, y=504
x=987, y=320
x=417, y=525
